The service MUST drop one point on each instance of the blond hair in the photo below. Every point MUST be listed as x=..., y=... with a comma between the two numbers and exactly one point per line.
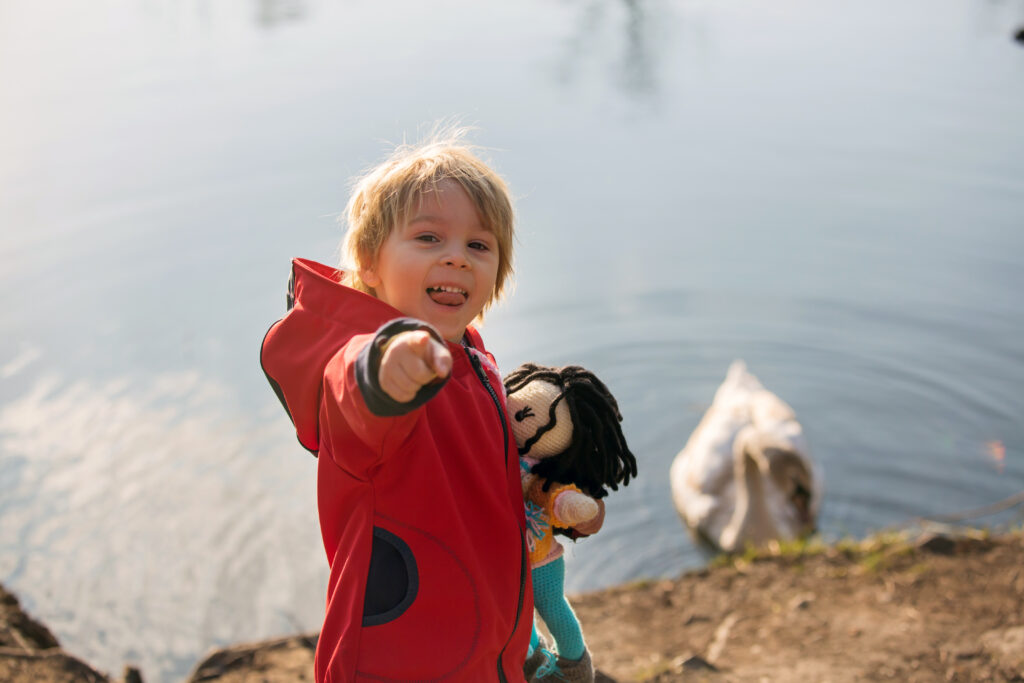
x=385, y=197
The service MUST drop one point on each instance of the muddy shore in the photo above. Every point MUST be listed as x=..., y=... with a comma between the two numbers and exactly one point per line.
x=893, y=607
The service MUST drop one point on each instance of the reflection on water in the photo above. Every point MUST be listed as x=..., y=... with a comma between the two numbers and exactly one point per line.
x=623, y=36
x=24, y=357
x=638, y=67
x=699, y=182
x=135, y=504
x=272, y=13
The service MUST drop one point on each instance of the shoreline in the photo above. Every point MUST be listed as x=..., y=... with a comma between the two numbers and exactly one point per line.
x=894, y=606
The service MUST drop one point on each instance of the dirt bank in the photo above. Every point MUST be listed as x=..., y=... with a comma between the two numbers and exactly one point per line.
x=890, y=608
x=886, y=609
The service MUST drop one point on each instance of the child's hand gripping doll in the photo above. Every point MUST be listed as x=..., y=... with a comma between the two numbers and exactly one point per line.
x=566, y=424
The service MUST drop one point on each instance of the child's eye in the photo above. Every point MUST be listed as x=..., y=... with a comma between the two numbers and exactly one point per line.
x=427, y=237
x=481, y=246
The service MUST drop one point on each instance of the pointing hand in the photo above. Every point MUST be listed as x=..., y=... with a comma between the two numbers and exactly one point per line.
x=412, y=360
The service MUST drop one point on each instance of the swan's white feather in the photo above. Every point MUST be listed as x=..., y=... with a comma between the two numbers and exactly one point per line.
x=703, y=478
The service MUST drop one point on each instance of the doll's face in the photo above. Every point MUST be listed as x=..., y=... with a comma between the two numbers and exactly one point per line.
x=530, y=408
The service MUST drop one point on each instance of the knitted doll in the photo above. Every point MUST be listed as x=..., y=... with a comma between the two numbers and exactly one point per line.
x=566, y=424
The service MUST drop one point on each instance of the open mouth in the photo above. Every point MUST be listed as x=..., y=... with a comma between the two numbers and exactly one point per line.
x=447, y=295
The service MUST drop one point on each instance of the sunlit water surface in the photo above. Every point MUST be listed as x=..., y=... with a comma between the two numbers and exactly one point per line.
x=832, y=191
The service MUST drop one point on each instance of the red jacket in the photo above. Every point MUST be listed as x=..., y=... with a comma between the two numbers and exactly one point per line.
x=421, y=509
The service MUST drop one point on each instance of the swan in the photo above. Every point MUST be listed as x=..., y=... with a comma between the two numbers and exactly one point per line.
x=745, y=474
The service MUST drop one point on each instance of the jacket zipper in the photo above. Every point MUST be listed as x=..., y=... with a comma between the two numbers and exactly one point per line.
x=482, y=376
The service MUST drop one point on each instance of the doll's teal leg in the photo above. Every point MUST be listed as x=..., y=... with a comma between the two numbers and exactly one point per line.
x=554, y=609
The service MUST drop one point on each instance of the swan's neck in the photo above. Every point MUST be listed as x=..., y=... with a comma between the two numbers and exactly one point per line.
x=751, y=519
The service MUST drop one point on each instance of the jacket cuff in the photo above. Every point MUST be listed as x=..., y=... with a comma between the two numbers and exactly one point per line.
x=368, y=370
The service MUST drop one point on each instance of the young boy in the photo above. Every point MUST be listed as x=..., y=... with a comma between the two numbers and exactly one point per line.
x=386, y=380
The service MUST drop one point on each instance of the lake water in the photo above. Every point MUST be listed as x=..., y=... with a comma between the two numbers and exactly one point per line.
x=832, y=191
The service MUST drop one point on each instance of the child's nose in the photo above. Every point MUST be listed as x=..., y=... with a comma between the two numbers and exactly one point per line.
x=457, y=258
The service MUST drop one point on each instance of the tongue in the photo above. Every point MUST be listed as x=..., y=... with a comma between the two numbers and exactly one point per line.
x=447, y=298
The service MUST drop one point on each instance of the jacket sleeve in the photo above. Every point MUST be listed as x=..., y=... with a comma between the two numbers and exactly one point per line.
x=356, y=407
x=368, y=370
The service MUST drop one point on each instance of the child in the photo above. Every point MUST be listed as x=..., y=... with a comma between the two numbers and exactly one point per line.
x=388, y=382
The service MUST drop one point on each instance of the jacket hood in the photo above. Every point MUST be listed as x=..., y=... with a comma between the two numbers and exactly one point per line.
x=323, y=315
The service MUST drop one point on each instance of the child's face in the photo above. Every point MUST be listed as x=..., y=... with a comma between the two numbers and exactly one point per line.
x=440, y=265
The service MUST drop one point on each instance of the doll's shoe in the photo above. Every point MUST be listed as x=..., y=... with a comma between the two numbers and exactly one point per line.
x=541, y=655
x=542, y=659
x=566, y=670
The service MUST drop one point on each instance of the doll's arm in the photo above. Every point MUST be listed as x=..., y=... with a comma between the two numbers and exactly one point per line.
x=567, y=505
x=590, y=527
x=574, y=508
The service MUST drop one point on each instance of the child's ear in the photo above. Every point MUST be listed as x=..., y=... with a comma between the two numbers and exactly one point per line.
x=369, y=277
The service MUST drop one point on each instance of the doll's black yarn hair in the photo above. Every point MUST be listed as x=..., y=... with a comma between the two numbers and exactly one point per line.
x=598, y=455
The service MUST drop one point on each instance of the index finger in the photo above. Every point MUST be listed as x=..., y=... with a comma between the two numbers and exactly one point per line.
x=438, y=358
